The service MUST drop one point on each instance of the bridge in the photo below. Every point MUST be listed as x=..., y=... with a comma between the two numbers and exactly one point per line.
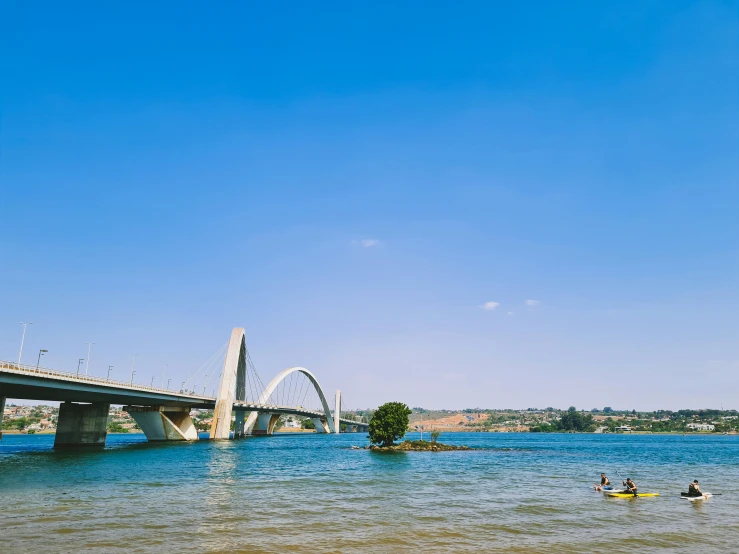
x=163, y=414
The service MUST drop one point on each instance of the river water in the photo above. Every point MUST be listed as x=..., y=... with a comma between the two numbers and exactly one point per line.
x=314, y=494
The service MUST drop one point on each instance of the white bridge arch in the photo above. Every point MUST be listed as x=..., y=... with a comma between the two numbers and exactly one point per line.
x=232, y=388
x=264, y=397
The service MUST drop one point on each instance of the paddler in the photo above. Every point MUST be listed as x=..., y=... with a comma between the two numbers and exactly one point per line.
x=630, y=486
x=694, y=489
x=604, y=482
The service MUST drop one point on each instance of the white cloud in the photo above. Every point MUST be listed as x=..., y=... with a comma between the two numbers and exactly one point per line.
x=532, y=303
x=509, y=313
x=366, y=243
x=489, y=306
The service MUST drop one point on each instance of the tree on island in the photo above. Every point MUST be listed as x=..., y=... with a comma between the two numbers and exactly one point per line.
x=389, y=423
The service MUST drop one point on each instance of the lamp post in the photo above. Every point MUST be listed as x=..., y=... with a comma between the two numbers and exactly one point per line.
x=152, y=381
x=182, y=387
x=79, y=362
x=87, y=363
x=23, y=338
x=132, y=374
x=40, y=353
x=168, y=381
x=110, y=367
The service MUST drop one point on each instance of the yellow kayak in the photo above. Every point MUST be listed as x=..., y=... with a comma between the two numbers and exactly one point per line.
x=630, y=495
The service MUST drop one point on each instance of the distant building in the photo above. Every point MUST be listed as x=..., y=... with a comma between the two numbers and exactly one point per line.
x=623, y=429
x=291, y=423
x=701, y=426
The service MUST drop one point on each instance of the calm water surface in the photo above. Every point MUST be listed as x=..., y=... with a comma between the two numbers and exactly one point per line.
x=312, y=493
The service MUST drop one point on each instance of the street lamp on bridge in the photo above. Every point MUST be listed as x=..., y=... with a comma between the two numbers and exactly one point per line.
x=110, y=367
x=132, y=374
x=40, y=353
x=79, y=362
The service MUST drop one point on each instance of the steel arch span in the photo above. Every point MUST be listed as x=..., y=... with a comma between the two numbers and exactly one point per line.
x=273, y=385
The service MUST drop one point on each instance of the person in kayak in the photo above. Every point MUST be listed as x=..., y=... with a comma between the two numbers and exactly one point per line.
x=604, y=482
x=630, y=486
x=694, y=489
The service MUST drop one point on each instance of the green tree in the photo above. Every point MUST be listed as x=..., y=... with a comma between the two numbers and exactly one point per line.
x=308, y=423
x=389, y=423
x=19, y=423
x=116, y=427
x=435, y=434
x=572, y=420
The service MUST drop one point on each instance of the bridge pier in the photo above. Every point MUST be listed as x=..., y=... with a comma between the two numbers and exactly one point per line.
x=265, y=424
x=2, y=410
x=337, y=412
x=82, y=424
x=232, y=386
x=239, y=426
x=164, y=423
x=322, y=425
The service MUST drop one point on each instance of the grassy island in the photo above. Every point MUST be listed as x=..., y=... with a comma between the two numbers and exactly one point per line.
x=418, y=446
x=389, y=424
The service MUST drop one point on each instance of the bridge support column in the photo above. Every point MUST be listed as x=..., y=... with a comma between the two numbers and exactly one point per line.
x=321, y=425
x=81, y=424
x=164, y=423
x=337, y=412
x=239, y=426
x=2, y=409
x=265, y=424
x=232, y=386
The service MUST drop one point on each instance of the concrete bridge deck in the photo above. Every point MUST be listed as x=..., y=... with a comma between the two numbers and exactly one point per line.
x=32, y=383
x=162, y=414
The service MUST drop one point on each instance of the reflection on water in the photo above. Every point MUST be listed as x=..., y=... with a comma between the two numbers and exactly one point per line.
x=313, y=493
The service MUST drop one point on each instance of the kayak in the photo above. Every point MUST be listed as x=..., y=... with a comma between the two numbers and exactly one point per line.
x=629, y=494
x=704, y=496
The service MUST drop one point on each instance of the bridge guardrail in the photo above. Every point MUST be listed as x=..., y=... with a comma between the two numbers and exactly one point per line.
x=44, y=371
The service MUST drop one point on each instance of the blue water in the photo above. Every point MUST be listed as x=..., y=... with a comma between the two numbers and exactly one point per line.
x=313, y=493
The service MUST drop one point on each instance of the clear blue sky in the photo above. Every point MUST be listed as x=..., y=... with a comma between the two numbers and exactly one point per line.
x=353, y=182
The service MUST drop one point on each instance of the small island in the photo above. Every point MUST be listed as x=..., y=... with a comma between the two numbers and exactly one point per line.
x=419, y=446
x=389, y=424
